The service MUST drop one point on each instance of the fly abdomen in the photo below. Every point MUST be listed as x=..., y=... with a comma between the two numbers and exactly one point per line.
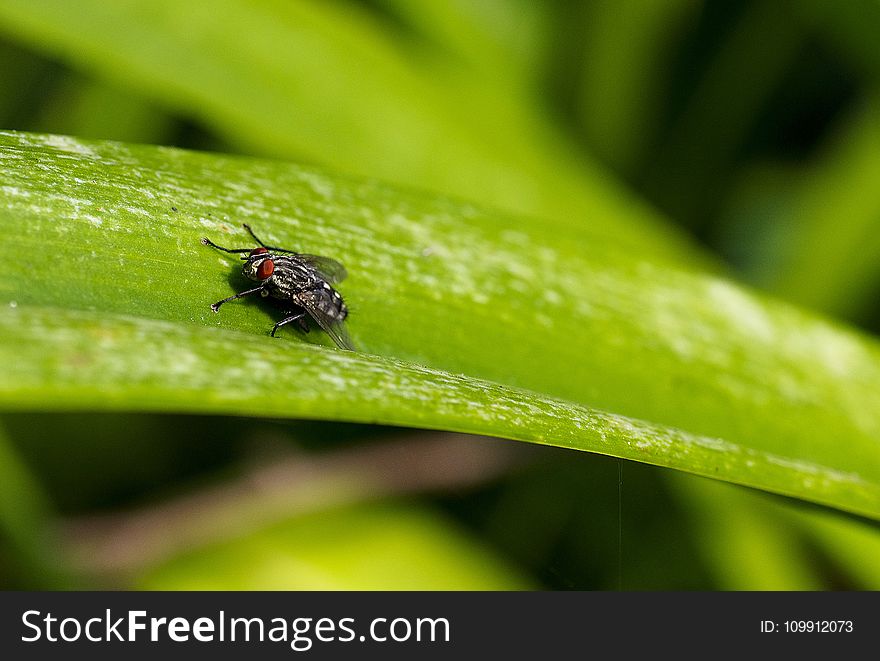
x=325, y=300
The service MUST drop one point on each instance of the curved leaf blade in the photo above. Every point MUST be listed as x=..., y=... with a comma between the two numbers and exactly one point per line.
x=101, y=236
x=116, y=362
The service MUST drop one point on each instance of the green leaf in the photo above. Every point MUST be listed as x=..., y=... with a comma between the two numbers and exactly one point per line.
x=327, y=83
x=759, y=543
x=95, y=110
x=366, y=547
x=622, y=88
x=701, y=146
x=21, y=500
x=504, y=40
x=24, y=521
x=749, y=544
x=831, y=258
x=853, y=544
x=463, y=323
x=849, y=27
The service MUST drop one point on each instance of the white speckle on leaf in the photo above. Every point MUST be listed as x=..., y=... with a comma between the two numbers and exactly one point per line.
x=544, y=320
x=14, y=191
x=840, y=355
x=138, y=211
x=70, y=145
x=552, y=296
x=741, y=311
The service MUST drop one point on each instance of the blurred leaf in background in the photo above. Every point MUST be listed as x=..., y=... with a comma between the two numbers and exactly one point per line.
x=330, y=83
x=746, y=126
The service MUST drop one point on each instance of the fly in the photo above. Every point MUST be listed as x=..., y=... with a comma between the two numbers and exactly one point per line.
x=302, y=283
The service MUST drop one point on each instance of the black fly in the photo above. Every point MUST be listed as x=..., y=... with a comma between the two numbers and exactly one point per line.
x=303, y=284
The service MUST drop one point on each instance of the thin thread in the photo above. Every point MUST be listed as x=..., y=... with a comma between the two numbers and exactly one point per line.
x=620, y=524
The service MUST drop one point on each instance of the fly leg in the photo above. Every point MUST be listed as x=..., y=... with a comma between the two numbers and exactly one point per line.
x=297, y=317
x=269, y=248
x=216, y=306
x=206, y=241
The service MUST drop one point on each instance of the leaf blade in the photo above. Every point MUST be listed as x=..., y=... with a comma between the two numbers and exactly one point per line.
x=433, y=283
x=82, y=362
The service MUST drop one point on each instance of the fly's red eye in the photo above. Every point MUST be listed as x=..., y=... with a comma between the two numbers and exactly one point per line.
x=265, y=269
x=259, y=251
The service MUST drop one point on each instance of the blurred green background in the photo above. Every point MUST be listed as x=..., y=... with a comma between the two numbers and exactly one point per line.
x=751, y=126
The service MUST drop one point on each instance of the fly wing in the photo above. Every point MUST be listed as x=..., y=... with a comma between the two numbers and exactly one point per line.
x=325, y=306
x=337, y=331
x=329, y=269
